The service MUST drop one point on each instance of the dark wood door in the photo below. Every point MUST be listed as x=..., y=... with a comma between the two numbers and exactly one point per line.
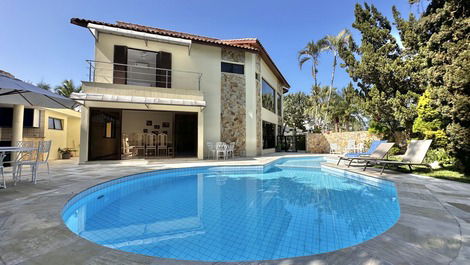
x=104, y=134
x=186, y=134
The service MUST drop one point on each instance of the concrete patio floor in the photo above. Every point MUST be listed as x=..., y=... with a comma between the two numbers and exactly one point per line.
x=434, y=226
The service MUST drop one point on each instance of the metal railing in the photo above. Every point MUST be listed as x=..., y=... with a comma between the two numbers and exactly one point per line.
x=140, y=75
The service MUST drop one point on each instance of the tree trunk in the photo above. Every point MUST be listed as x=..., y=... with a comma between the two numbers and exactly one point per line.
x=331, y=84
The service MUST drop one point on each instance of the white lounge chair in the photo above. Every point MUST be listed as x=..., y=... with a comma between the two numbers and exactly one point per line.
x=378, y=154
x=414, y=155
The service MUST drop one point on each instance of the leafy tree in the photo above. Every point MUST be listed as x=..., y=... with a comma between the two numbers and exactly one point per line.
x=316, y=108
x=383, y=73
x=67, y=88
x=294, y=110
x=44, y=85
x=443, y=55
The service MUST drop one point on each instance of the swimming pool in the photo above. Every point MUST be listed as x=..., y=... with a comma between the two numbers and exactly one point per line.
x=288, y=208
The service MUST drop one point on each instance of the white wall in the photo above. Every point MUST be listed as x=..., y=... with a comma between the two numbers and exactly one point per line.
x=205, y=59
x=135, y=122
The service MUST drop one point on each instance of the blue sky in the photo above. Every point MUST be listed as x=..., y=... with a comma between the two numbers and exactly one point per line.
x=38, y=43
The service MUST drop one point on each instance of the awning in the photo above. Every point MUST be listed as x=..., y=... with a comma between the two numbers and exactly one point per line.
x=137, y=100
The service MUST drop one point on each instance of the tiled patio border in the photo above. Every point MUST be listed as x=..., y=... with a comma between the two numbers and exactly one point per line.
x=434, y=226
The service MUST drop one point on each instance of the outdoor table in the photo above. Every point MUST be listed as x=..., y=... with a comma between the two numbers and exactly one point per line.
x=5, y=149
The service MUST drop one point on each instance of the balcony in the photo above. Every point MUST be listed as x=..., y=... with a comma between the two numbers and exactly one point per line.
x=143, y=76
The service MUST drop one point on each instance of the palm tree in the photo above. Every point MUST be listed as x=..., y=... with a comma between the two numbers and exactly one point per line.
x=311, y=52
x=67, y=88
x=43, y=85
x=334, y=44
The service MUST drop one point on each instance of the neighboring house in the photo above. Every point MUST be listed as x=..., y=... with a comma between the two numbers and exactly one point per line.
x=195, y=89
x=62, y=126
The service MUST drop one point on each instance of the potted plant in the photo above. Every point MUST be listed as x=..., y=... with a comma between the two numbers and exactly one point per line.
x=65, y=153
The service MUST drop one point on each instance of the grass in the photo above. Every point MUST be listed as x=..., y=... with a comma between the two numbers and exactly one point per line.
x=448, y=172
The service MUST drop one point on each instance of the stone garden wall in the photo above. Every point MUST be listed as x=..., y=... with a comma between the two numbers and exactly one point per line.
x=320, y=142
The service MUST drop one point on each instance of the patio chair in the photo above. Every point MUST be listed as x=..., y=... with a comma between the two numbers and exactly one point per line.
x=221, y=149
x=414, y=155
x=372, y=147
x=40, y=158
x=163, y=143
x=378, y=154
x=127, y=150
x=231, y=150
x=151, y=144
x=138, y=141
x=210, y=150
x=2, y=157
x=334, y=149
x=351, y=147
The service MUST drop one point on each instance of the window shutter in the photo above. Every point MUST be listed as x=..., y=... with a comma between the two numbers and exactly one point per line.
x=120, y=65
x=163, y=77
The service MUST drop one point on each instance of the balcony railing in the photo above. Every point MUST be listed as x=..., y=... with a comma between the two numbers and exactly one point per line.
x=140, y=75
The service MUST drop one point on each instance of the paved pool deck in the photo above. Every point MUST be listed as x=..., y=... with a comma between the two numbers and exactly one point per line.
x=434, y=226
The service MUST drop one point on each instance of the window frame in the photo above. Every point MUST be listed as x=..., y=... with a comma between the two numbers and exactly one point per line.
x=273, y=110
x=232, y=69
x=54, y=127
x=267, y=144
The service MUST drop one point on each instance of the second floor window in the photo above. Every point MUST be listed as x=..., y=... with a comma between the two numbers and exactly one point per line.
x=141, y=67
x=279, y=104
x=268, y=96
x=233, y=68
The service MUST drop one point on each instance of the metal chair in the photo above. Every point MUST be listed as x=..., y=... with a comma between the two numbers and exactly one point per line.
x=41, y=158
x=2, y=157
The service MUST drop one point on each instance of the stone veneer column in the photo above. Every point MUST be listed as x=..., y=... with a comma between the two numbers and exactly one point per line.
x=233, y=103
x=259, y=127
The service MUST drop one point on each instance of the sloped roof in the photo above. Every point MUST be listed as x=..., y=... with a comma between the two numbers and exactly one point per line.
x=250, y=44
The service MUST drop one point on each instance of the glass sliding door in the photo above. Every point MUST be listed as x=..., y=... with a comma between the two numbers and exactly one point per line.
x=104, y=134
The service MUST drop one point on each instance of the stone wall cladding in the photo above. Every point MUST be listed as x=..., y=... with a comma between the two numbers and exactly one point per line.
x=233, y=55
x=320, y=142
x=233, y=104
x=259, y=136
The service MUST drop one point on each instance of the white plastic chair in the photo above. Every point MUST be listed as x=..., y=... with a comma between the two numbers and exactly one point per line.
x=2, y=157
x=127, y=150
x=41, y=158
x=351, y=147
x=210, y=150
x=334, y=149
x=150, y=144
x=231, y=150
x=221, y=149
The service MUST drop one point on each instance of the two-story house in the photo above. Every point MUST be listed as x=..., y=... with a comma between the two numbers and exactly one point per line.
x=195, y=89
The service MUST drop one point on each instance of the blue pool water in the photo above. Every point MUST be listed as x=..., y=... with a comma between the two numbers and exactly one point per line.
x=291, y=207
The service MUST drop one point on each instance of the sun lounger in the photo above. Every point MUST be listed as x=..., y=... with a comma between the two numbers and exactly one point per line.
x=414, y=155
x=378, y=154
x=372, y=148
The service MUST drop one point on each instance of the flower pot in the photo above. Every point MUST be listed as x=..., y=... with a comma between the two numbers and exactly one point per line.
x=66, y=155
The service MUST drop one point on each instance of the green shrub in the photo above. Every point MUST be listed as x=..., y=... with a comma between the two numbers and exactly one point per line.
x=440, y=155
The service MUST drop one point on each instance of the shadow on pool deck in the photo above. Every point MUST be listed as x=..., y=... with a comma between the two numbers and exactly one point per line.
x=434, y=226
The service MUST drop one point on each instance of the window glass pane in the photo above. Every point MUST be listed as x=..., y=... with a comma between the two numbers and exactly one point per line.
x=269, y=135
x=57, y=124
x=268, y=96
x=233, y=68
x=109, y=130
x=50, y=123
x=279, y=104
